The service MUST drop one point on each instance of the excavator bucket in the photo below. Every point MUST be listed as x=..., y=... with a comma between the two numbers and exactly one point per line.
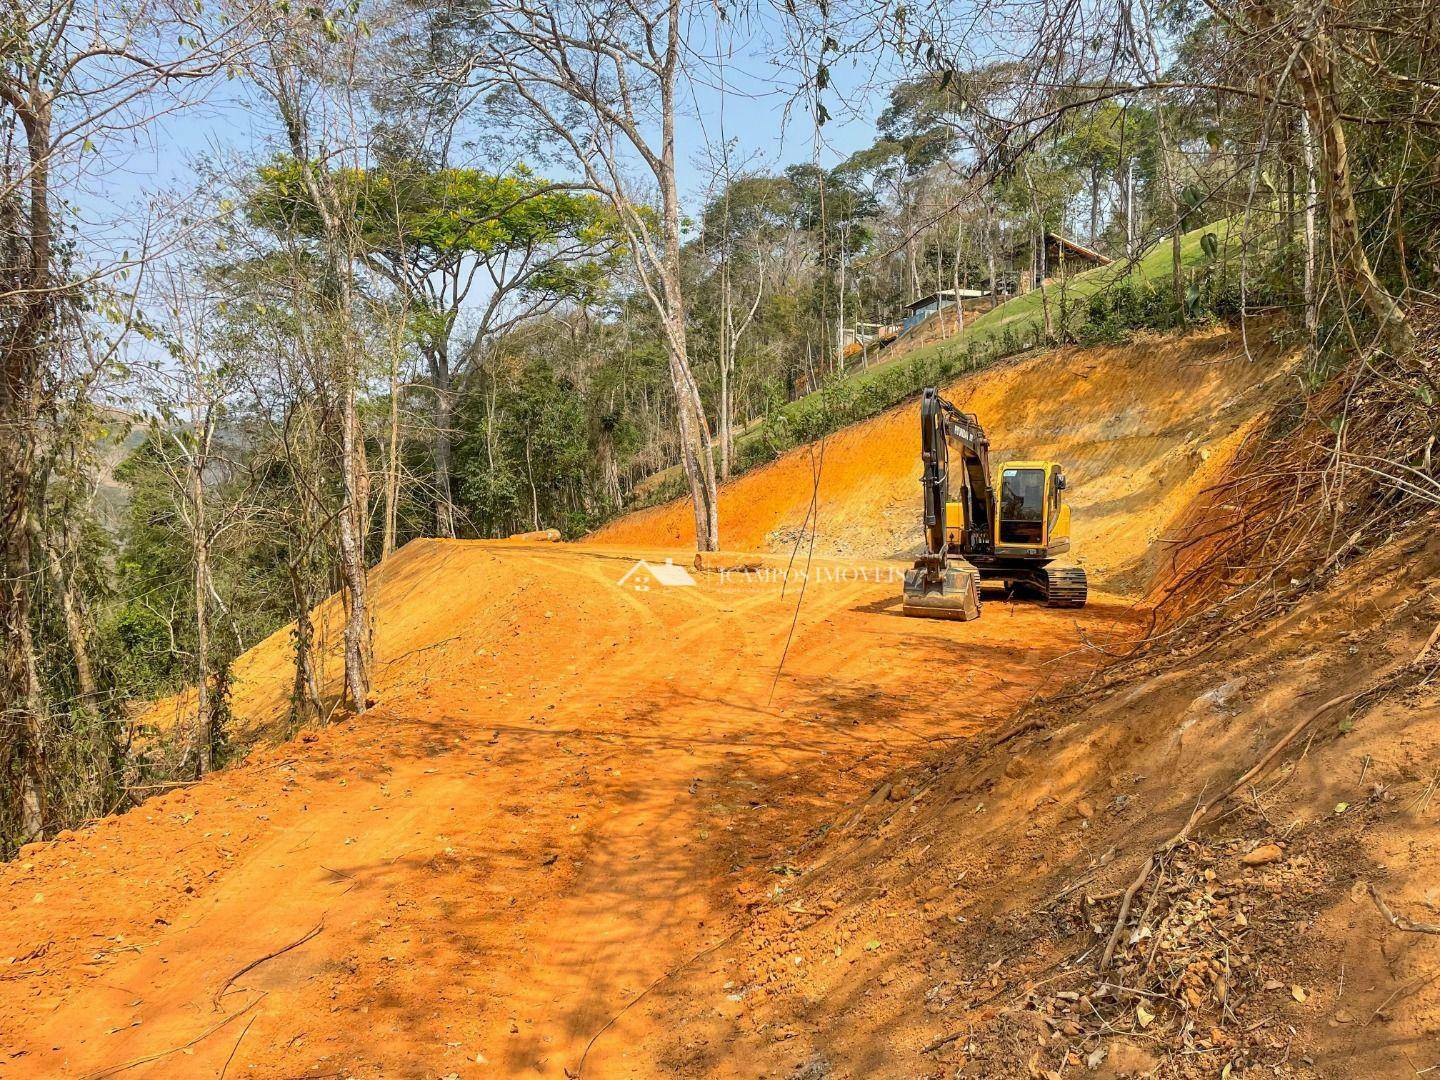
x=952, y=592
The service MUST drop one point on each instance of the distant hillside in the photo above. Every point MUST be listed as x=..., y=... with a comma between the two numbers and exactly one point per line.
x=1009, y=329
x=121, y=435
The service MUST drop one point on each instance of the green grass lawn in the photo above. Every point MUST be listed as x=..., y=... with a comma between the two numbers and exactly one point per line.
x=1024, y=315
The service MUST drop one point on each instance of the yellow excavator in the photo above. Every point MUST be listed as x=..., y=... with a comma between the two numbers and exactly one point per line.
x=1008, y=528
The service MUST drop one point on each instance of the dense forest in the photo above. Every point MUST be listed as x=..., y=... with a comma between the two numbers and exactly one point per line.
x=457, y=288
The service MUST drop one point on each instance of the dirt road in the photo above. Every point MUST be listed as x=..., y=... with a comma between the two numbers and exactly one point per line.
x=568, y=788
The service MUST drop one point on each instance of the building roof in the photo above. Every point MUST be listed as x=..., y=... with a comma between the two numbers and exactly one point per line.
x=1078, y=249
x=945, y=296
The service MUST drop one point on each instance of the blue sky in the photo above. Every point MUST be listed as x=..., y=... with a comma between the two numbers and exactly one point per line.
x=122, y=187
x=758, y=110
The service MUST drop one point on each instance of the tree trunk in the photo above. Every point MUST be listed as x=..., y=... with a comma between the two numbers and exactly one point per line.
x=609, y=467
x=443, y=420
x=354, y=475
x=1172, y=191
x=305, y=701
x=1037, y=254
x=352, y=552
x=696, y=450
x=20, y=696
x=726, y=435
x=204, y=735
x=955, y=272
x=72, y=608
x=21, y=700
x=1312, y=196
x=1130, y=210
x=1042, y=273
x=1094, y=203
x=727, y=325
x=992, y=241
x=695, y=454
x=534, y=494
x=911, y=266
x=840, y=304
x=392, y=463
x=1315, y=74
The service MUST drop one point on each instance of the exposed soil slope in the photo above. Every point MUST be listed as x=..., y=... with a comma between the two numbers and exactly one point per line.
x=957, y=932
x=1141, y=428
x=568, y=787
x=585, y=815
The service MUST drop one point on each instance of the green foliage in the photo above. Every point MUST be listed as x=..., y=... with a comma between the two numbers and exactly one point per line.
x=1113, y=314
x=414, y=220
x=916, y=130
x=1106, y=304
x=841, y=402
x=442, y=212
x=146, y=630
x=148, y=635
x=524, y=462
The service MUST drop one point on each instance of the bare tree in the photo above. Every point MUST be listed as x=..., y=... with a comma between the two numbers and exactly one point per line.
x=735, y=317
x=471, y=292
x=307, y=67
x=604, y=80
x=1316, y=76
x=191, y=394
x=72, y=76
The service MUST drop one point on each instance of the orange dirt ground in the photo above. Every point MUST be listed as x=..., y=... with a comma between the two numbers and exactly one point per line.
x=567, y=787
x=571, y=787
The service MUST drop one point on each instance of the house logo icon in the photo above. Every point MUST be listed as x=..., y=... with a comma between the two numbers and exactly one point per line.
x=644, y=576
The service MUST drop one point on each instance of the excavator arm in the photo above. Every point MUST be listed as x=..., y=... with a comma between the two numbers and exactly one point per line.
x=942, y=426
x=939, y=585
x=964, y=547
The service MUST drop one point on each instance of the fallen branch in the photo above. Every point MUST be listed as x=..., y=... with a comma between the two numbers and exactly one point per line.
x=944, y=1040
x=1429, y=644
x=1400, y=922
x=268, y=956
x=116, y=1070
x=584, y=1054
x=235, y=1049
x=1201, y=812
x=1125, y=903
x=1414, y=984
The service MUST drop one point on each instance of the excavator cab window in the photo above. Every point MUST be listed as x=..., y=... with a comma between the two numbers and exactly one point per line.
x=1022, y=506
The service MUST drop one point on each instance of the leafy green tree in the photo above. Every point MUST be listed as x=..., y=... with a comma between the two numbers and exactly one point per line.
x=528, y=462
x=473, y=254
x=1093, y=144
x=149, y=634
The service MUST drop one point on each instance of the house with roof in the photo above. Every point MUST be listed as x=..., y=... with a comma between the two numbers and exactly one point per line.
x=1060, y=258
x=1023, y=265
x=922, y=307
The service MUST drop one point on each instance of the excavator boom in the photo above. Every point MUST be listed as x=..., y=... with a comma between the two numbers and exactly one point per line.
x=940, y=586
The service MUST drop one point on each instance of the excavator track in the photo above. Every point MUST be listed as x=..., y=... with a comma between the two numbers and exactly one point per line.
x=1064, y=586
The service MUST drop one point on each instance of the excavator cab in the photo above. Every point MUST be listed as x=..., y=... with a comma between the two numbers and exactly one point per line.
x=1008, y=528
x=1031, y=518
